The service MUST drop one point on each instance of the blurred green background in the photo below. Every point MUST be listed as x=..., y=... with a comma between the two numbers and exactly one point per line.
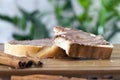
x=100, y=20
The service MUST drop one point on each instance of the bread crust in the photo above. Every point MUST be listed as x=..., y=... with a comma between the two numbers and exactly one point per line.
x=93, y=52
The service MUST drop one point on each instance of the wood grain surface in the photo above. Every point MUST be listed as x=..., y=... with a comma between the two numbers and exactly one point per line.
x=70, y=67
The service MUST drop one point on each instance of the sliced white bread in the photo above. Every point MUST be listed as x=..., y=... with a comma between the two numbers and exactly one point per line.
x=43, y=48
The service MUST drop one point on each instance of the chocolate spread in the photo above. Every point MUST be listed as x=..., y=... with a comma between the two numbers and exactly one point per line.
x=41, y=42
x=81, y=37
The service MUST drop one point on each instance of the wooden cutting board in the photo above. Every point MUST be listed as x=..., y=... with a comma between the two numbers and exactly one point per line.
x=68, y=67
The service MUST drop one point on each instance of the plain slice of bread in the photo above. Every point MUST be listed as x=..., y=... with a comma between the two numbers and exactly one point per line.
x=43, y=48
x=78, y=44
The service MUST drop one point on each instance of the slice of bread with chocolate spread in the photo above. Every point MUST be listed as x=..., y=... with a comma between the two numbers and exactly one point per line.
x=80, y=44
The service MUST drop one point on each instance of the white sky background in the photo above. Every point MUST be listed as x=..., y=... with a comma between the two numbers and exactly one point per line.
x=9, y=7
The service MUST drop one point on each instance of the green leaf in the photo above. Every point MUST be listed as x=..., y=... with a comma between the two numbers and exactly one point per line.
x=21, y=37
x=16, y=20
x=7, y=18
x=110, y=4
x=102, y=15
x=58, y=11
x=22, y=23
x=13, y=20
x=82, y=17
x=32, y=30
x=84, y=3
x=40, y=30
x=102, y=20
x=25, y=14
x=68, y=5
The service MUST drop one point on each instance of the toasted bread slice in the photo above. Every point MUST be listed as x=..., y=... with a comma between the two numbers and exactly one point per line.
x=78, y=44
x=43, y=48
